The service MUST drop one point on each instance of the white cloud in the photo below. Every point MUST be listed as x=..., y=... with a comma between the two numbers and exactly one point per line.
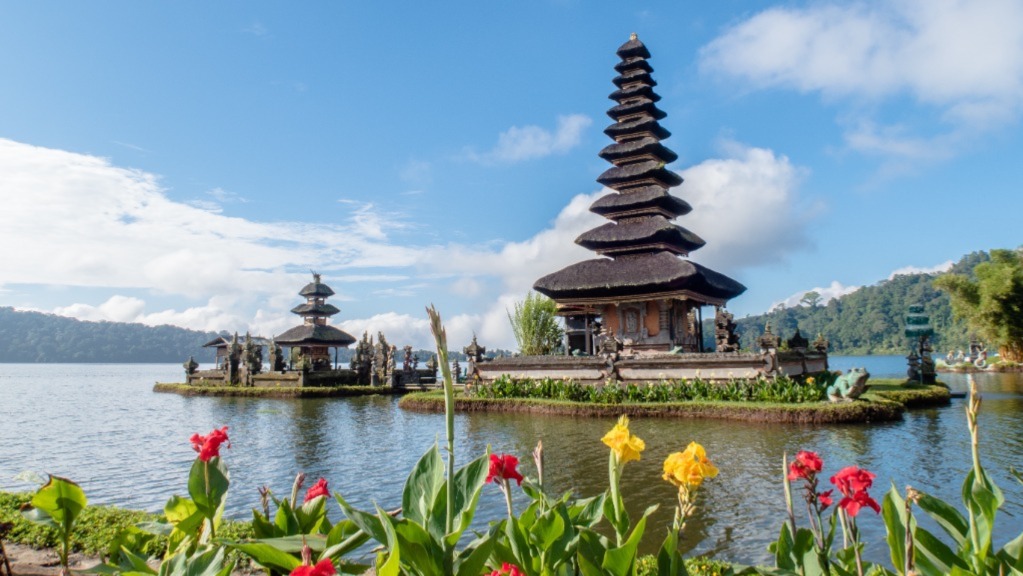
x=963, y=59
x=528, y=142
x=835, y=290
x=936, y=269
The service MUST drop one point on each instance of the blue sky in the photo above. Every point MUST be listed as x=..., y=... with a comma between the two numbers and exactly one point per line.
x=189, y=163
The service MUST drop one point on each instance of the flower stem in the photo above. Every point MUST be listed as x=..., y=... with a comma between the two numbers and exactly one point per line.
x=506, y=488
x=614, y=476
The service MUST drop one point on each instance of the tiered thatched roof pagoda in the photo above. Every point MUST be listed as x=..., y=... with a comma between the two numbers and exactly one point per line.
x=641, y=289
x=314, y=337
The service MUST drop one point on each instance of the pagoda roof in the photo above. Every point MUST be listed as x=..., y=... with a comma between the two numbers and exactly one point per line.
x=634, y=91
x=641, y=146
x=633, y=64
x=604, y=279
x=636, y=106
x=647, y=199
x=651, y=232
x=633, y=49
x=308, y=309
x=224, y=341
x=316, y=288
x=638, y=126
x=637, y=172
x=631, y=75
x=315, y=335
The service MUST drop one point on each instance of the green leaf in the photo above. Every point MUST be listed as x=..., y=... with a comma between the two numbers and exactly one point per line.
x=59, y=499
x=473, y=559
x=183, y=514
x=343, y=538
x=589, y=512
x=548, y=529
x=419, y=550
x=669, y=559
x=618, y=561
x=207, y=485
x=422, y=486
x=285, y=520
x=893, y=511
x=467, y=487
x=950, y=520
x=369, y=523
x=933, y=556
x=266, y=555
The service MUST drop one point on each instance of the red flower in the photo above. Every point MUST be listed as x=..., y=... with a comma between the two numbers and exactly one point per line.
x=852, y=504
x=825, y=499
x=317, y=490
x=209, y=446
x=503, y=468
x=322, y=568
x=851, y=480
x=805, y=466
x=506, y=570
x=853, y=483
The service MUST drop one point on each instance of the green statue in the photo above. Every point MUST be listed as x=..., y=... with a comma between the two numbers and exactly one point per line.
x=848, y=386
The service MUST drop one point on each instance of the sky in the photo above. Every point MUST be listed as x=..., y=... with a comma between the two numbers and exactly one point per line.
x=191, y=163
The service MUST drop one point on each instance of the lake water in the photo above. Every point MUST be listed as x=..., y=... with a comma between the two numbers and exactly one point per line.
x=102, y=426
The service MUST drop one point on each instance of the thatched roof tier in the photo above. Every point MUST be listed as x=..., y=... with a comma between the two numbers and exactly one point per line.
x=634, y=75
x=651, y=232
x=644, y=276
x=638, y=106
x=646, y=146
x=313, y=309
x=633, y=64
x=637, y=127
x=632, y=174
x=315, y=335
x=648, y=199
x=634, y=91
x=633, y=49
x=316, y=288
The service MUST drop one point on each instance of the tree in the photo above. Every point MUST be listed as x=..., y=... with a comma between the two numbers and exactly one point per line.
x=811, y=299
x=535, y=323
x=992, y=303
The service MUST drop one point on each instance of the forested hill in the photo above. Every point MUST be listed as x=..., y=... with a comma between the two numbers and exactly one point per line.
x=870, y=320
x=37, y=337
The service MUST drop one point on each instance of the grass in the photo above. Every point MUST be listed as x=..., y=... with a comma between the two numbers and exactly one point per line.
x=96, y=527
x=279, y=392
x=886, y=400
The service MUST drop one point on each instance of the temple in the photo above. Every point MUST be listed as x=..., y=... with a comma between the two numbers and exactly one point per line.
x=640, y=290
x=314, y=338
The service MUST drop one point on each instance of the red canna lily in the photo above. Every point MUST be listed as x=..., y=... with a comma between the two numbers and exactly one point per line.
x=805, y=466
x=852, y=504
x=503, y=467
x=825, y=499
x=850, y=480
x=322, y=568
x=317, y=490
x=508, y=570
x=209, y=446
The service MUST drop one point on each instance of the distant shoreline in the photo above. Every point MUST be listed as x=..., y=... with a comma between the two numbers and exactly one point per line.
x=280, y=392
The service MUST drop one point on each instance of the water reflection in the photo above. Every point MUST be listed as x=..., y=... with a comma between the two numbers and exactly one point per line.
x=102, y=426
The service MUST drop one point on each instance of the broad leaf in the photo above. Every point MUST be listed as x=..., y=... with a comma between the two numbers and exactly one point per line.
x=267, y=555
x=207, y=485
x=422, y=486
x=59, y=499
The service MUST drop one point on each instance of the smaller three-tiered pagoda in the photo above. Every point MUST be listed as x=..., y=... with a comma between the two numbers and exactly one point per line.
x=641, y=291
x=314, y=337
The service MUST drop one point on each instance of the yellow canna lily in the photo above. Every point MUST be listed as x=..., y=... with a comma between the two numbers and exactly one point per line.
x=624, y=444
x=689, y=468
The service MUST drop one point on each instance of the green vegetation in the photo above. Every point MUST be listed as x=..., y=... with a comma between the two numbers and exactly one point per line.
x=869, y=320
x=991, y=302
x=95, y=529
x=535, y=323
x=780, y=390
x=277, y=392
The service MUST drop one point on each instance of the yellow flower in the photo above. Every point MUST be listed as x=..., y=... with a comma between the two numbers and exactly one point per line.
x=689, y=468
x=624, y=444
x=810, y=380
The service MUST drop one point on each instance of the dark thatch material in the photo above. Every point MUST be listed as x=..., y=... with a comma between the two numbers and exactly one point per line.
x=637, y=172
x=634, y=75
x=315, y=335
x=641, y=233
x=648, y=197
x=633, y=49
x=636, y=276
x=316, y=289
x=634, y=92
x=633, y=64
x=638, y=147
x=639, y=106
x=309, y=309
x=637, y=126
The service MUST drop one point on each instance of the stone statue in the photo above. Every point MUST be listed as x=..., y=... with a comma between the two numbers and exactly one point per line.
x=768, y=340
x=724, y=332
x=234, y=356
x=797, y=342
x=362, y=359
x=252, y=355
x=276, y=357
x=821, y=344
x=848, y=387
x=190, y=367
x=913, y=360
x=392, y=358
x=456, y=370
x=927, y=370
x=406, y=365
x=431, y=365
x=475, y=353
